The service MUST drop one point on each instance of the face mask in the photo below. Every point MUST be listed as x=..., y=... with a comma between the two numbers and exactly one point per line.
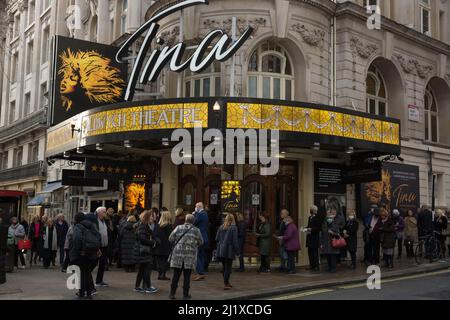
x=330, y=219
x=351, y=217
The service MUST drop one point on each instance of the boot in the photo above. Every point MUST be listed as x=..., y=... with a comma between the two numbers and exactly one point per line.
x=391, y=262
x=186, y=295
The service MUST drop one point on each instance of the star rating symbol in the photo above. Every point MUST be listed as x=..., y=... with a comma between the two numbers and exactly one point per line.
x=94, y=168
x=110, y=170
x=102, y=169
x=117, y=170
x=125, y=170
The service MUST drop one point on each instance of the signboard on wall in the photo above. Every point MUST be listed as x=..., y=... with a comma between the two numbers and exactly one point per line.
x=413, y=113
x=76, y=178
x=367, y=172
x=231, y=196
x=86, y=76
x=398, y=189
x=135, y=196
x=328, y=178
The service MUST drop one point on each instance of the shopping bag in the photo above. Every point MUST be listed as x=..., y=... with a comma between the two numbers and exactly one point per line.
x=24, y=244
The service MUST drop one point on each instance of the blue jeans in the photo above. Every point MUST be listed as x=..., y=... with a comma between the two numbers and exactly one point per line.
x=201, y=259
x=283, y=257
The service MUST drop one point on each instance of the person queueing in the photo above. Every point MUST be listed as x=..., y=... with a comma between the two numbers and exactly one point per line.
x=127, y=238
x=186, y=240
x=50, y=246
x=388, y=237
x=35, y=236
x=144, y=250
x=163, y=231
x=84, y=249
x=16, y=232
x=291, y=241
x=282, y=252
x=331, y=229
x=351, y=236
x=313, y=239
x=227, y=247
x=202, y=223
x=242, y=234
x=399, y=224
x=264, y=243
x=411, y=233
x=62, y=227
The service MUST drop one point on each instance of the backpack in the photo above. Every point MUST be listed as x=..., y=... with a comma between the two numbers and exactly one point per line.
x=91, y=240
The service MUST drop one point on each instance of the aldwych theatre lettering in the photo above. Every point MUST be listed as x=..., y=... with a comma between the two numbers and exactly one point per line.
x=197, y=62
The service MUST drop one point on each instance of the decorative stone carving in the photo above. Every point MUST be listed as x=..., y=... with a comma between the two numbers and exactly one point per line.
x=362, y=49
x=241, y=25
x=171, y=37
x=413, y=66
x=313, y=37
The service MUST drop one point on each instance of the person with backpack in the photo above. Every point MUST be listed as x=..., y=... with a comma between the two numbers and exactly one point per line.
x=144, y=251
x=227, y=247
x=84, y=251
x=186, y=239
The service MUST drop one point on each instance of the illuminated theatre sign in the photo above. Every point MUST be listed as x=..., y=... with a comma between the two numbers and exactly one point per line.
x=222, y=50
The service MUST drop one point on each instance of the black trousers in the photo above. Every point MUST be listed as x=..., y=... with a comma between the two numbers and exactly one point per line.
x=353, y=257
x=102, y=265
x=331, y=259
x=186, y=280
x=49, y=257
x=163, y=265
x=2, y=266
x=61, y=254
x=66, y=262
x=144, y=273
x=227, y=265
x=400, y=247
x=313, y=255
x=291, y=261
x=367, y=252
x=409, y=246
x=375, y=251
x=265, y=263
x=18, y=254
x=86, y=282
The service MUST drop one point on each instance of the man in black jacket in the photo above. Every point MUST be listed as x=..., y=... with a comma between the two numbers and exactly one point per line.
x=283, y=253
x=313, y=238
x=62, y=227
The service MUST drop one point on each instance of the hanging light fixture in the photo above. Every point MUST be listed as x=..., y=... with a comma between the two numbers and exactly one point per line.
x=127, y=144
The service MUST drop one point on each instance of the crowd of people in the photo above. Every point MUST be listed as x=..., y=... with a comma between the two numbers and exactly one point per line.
x=154, y=240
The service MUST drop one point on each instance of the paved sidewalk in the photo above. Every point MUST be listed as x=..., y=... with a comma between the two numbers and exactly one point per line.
x=40, y=284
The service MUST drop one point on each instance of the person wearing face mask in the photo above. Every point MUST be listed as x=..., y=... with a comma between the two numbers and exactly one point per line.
x=367, y=219
x=399, y=230
x=331, y=229
x=387, y=237
x=313, y=238
x=411, y=233
x=202, y=223
x=351, y=235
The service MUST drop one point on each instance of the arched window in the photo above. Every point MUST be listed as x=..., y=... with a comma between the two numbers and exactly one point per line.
x=376, y=93
x=205, y=84
x=270, y=73
x=431, y=116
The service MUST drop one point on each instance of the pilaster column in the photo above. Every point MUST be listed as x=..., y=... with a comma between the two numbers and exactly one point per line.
x=103, y=22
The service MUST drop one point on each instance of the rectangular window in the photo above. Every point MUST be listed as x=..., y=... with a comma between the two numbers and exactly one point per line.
x=434, y=134
x=43, y=96
x=217, y=87
x=372, y=107
x=45, y=45
x=187, y=90
x=427, y=128
x=425, y=18
x=288, y=90
x=16, y=25
x=31, y=12
x=276, y=88
x=252, y=87
x=12, y=112
x=197, y=88
x=206, y=87
x=29, y=65
x=123, y=17
x=27, y=105
x=381, y=108
x=266, y=88
x=14, y=67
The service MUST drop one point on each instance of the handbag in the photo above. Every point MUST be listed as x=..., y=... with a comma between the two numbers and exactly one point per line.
x=338, y=243
x=24, y=244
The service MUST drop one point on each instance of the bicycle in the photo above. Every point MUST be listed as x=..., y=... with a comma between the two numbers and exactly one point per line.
x=433, y=248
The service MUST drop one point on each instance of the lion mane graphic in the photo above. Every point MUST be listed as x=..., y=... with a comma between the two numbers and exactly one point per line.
x=88, y=77
x=380, y=192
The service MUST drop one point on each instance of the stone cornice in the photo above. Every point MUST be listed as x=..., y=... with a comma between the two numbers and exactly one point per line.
x=355, y=10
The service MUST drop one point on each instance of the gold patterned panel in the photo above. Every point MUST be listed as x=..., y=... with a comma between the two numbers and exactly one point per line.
x=122, y=120
x=372, y=130
x=391, y=133
x=94, y=125
x=168, y=116
x=275, y=117
x=353, y=127
x=243, y=115
x=310, y=120
x=195, y=114
x=331, y=123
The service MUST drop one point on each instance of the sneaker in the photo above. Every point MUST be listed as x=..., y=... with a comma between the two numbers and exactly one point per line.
x=140, y=290
x=172, y=297
x=101, y=285
x=227, y=287
x=88, y=297
x=198, y=278
x=188, y=297
x=94, y=292
x=22, y=267
x=151, y=290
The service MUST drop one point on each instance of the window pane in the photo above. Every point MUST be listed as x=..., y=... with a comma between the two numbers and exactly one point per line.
x=381, y=108
x=197, y=88
x=382, y=91
x=206, y=87
x=217, y=86
x=253, y=64
x=372, y=109
x=427, y=129
x=288, y=90
x=426, y=101
x=187, y=91
x=371, y=85
x=252, y=88
x=271, y=64
x=276, y=88
x=266, y=88
x=434, y=136
x=288, y=67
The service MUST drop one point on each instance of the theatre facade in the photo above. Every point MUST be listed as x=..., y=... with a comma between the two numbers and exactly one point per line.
x=360, y=113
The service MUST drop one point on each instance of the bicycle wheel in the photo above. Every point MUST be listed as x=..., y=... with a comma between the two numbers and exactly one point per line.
x=419, y=253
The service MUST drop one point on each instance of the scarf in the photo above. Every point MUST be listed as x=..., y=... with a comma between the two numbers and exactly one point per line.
x=54, y=239
x=103, y=229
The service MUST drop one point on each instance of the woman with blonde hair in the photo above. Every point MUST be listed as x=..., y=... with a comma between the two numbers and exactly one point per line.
x=242, y=233
x=227, y=247
x=440, y=226
x=179, y=217
x=144, y=252
x=162, y=233
x=50, y=243
x=35, y=236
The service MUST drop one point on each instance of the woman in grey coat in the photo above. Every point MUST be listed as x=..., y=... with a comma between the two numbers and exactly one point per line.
x=186, y=239
x=227, y=247
x=331, y=229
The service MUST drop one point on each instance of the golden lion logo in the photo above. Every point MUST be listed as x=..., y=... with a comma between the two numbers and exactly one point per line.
x=380, y=192
x=88, y=76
